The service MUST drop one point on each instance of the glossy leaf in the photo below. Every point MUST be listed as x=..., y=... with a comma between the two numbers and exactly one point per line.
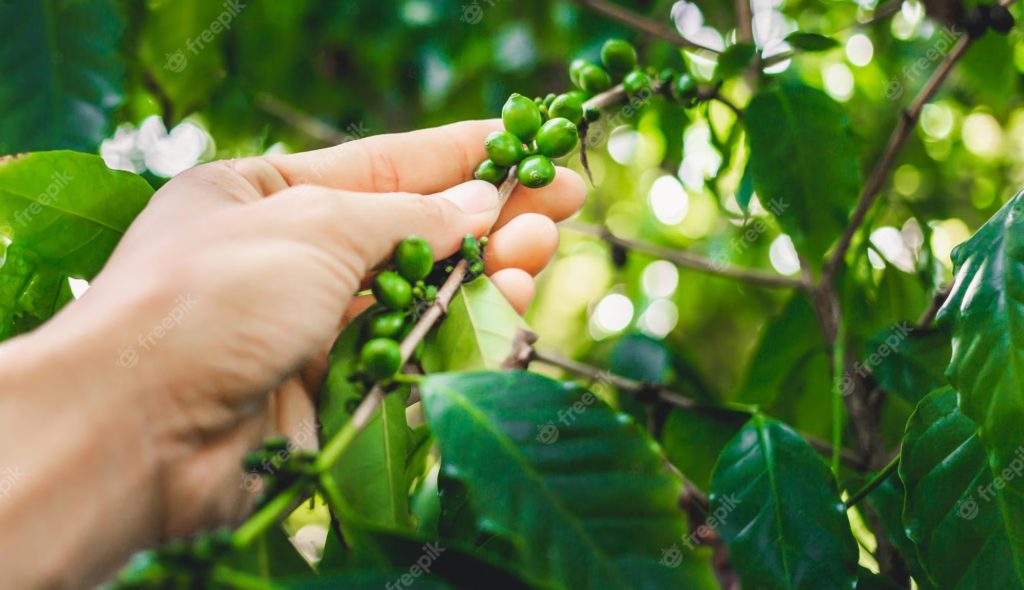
x=64, y=212
x=802, y=156
x=477, y=333
x=780, y=512
x=986, y=312
x=586, y=503
x=966, y=527
x=63, y=74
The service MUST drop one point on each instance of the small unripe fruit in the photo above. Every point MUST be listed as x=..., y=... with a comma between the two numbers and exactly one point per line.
x=391, y=290
x=637, y=83
x=557, y=138
x=387, y=325
x=521, y=117
x=381, y=358
x=490, y=172
x=535, y=171
x=550, y=98
x=470, y=247
x=567, y=106
x=593, y=79
x=684, y=89
x=505, y=149
x=618, y=56
x=575, y=68
x=414, y=258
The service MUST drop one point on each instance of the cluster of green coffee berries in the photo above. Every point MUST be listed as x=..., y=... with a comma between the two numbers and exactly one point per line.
x=538, y=130
x=279, y=460
x=179, y=564
x=402, y=294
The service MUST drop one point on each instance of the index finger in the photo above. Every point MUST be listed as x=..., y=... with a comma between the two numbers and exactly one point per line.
x=426, y=161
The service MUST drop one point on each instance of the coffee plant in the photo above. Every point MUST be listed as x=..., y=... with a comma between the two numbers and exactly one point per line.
x=850, y=419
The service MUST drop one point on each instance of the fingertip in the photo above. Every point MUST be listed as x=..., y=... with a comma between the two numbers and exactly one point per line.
x=527, y=242
x=517, y=286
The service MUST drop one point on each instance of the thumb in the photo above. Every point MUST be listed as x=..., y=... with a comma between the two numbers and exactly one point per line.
x=371, y=225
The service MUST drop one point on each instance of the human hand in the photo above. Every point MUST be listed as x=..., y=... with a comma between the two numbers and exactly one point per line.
x=225, y=294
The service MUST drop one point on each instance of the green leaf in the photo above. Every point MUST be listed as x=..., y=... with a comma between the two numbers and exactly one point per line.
x=182, y=48
x=586, y=503
x=811, y=41
x=967, y=529
x=365, y=580
x=909, y=362
x=734, y=60
x=371, y=475
x=887, y=500
x=63, y=212
x=271, y=557
x=780, y=513
x=477, y=333
x=63, y=74
x=986, y=312
x=801, y=156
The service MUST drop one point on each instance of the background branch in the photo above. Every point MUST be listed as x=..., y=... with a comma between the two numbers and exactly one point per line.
x=641, y=23
x=688, y=260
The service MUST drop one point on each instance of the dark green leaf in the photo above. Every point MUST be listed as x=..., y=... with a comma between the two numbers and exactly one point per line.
x=986, y=311
x=801, y=156
x=477, y=333
x=811, y=41
x=63, y=74
x=734, y=60
x=780, y=513
x=909, y=362
x=693, y=441
x=968, y=529
x=604, y=523
x=887, y=500
x=64, y=212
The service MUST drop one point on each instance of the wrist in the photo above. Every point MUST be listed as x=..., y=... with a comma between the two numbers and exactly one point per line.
x=73, y=425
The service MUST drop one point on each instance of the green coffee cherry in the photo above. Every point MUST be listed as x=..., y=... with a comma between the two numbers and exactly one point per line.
x=414, y=258
x=567, y=106
x=637, y=83
x=618, y=56
x=575, y=68
x=550, y=98
x=391, y=290
x=535, y=171
x=684, y=89
x=593, y=79
x=557, y=137
x=505, y=149
x=470, y=247
x=381, y=358
x=387, y=325
x=521, y=117
x=490, y=172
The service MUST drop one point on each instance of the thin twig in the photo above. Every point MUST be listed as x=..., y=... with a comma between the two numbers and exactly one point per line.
x=938, y=300
x=688, y=260
x=665, y=395
x=642, y=24
x=873, y=186
x=875, y=481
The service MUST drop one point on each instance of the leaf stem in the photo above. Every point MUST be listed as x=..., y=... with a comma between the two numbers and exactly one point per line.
x=875, y=481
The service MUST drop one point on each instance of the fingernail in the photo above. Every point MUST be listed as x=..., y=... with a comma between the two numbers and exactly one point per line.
x=473, y=197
